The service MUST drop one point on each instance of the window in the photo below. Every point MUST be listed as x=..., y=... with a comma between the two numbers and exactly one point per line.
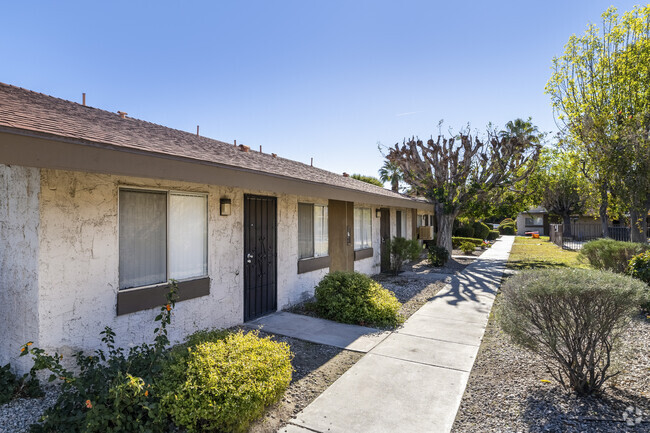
x=312, y=231
x=400, y=222
x=362, y=228
x=535, y=221
x=163, y=235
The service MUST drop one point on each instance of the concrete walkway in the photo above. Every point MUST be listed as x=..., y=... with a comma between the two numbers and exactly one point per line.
x=413, y=380
x=321, y=331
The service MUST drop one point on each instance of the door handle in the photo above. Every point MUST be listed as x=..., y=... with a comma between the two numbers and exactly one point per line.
x=249, y=258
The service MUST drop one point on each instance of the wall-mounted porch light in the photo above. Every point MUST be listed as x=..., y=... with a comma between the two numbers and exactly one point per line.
x=378, y=213
x=224, y=206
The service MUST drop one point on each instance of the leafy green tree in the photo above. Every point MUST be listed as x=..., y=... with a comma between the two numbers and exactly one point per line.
x=600, y=90
x=563, y=187
x=391, y=172
x=454, y=171
x=368, y=179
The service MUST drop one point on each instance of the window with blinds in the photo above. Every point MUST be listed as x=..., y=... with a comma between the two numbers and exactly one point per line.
x=362, y=228
x=313, y=238
x=162, y=235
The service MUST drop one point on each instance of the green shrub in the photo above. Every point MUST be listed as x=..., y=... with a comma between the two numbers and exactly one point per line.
x=464, y=232
x=639, y=267
x=481, y=230
x=493, y=235
x=507, y=221
x=112, y=391
x=351, y=297
x=572, y=318
x=508, y=229
x=437, y=256
x=456, y=241
x=401, y=251
x=467, y=247
x=609, y=254
x=225, y=384
x=13, y=386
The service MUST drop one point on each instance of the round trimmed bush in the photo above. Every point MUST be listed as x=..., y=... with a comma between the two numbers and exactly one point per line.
x=572, y=318
x=223, y=385
x=609, y=254
x=464, y=232
x=481, y=230
x=351, y=297
x=493, y=235
x=508, y=228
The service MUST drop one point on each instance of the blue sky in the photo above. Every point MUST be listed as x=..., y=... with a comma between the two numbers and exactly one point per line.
x=322, y=79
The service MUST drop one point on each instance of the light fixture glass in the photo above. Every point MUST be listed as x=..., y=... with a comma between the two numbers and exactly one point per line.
x=225, y=206
x=378, y=213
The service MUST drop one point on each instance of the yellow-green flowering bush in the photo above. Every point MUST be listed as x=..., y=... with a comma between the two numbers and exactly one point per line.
x=225, y=384
x=351, y=297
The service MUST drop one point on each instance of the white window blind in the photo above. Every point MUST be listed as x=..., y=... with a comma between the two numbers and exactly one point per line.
x=321, y=238
x=143, y=238
x=188, y=234
x=362, y=228
x=313, y=240
x=151, y=238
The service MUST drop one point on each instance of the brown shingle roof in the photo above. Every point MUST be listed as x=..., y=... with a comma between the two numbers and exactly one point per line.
x=31, y=111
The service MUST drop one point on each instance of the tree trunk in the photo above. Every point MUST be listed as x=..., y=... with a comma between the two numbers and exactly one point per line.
x=394, y=183
x=604, y=221
x=445, y=227
x=639, y=225
x=566, y=226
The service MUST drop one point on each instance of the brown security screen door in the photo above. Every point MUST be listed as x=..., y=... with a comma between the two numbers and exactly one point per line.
x=384, y=232
x=260, y=256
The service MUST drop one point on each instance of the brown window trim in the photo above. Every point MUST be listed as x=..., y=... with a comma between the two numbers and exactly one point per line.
x=313, y=264
x=138, y=299
x=363, y=254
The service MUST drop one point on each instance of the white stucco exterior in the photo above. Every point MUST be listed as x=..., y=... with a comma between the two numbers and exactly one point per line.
x=19, y=225
x=60, y=259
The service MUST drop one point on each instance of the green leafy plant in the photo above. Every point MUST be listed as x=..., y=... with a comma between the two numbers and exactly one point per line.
x=351, y=297
x=639, y=267
x=493, y=235
x=610, y=255
x=401, y=251
x=481, y=230
x=507, y=227
x=223, y=385
x=573, y=318
x=13, y=386
x=467, y=247
x=464, y=232
x=437, y=256
x=112, y=391
x=457, y=241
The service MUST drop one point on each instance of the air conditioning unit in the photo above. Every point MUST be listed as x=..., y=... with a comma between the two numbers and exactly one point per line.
x=425, y=233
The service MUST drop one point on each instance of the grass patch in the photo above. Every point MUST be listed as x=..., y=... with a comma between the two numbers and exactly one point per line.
x=528, y=253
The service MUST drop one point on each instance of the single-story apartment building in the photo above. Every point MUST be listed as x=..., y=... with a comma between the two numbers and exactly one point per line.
x=98, y=211
x=533, y=220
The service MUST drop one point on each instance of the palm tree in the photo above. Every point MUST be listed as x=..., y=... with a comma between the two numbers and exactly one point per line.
x=390, y=172
x=523, y=129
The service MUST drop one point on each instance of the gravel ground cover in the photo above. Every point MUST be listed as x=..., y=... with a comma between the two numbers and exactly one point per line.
x=505, y=392
x=17, y=415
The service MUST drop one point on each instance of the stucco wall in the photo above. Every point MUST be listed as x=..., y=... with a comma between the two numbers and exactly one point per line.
x=79, y=260
x=59, y=260
x=19, y=210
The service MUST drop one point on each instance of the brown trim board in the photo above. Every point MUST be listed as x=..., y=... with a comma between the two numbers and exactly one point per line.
x=313, y=264
x=132, y=300
x=363, y=254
